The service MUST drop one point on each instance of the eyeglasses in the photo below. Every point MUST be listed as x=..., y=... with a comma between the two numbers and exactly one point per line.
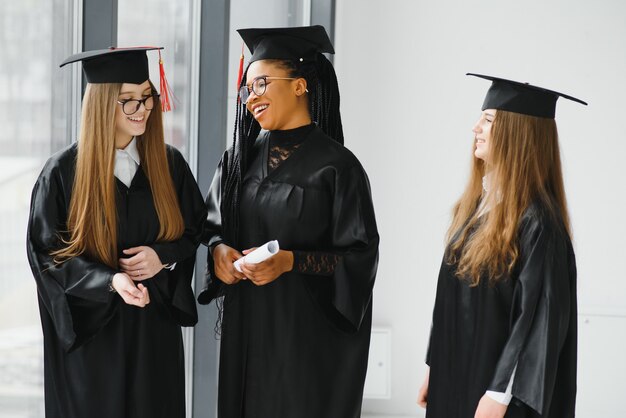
x=259, y=85
x=131, y=106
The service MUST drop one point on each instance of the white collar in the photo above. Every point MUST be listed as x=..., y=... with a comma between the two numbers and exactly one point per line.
x=131, y=150
x=486, y=182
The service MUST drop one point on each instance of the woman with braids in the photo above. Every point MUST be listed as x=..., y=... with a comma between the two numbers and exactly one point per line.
x=503, y=337
x=115, y=221
x=295, y=328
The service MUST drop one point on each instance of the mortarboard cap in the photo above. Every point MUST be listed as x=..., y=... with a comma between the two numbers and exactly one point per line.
x=523, y=98
x=114, y=65
x=123, y=65
x=296, y=43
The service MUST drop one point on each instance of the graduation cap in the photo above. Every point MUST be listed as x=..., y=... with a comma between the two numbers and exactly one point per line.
x=296, y=43
x=523, y=98
x=121, y=65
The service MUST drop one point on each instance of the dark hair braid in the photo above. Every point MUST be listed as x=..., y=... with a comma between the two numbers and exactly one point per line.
x=323, y=93
x=245, y=133
x=234, y=165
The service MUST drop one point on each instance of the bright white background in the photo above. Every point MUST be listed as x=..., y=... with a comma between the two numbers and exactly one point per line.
x=408, y=110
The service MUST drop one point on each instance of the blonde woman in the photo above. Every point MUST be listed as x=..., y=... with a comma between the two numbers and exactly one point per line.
x=112, y=237
x=503, y=337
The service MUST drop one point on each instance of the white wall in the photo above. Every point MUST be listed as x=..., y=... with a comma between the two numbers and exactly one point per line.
x=408, y=110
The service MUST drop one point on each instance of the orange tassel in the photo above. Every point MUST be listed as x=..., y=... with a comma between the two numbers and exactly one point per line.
x=240, y=74
x=165, y=90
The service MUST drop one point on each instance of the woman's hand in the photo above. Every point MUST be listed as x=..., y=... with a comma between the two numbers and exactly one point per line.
x=223, y=259
x=490, y=408
x=422, y=395
x=131, y=294
x=144, y=263
x=269, y=270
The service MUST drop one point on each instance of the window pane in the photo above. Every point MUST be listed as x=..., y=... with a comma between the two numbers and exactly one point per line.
x=34, y=106
x=164, y=23
x=257, y=14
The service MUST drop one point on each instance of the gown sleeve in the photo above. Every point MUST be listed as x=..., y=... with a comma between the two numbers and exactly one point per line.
x=212, y=235
x=427, y=359
x=316, y=263
x=355, y=239
x=543, y=317
x=75, y=293
x=431, y=341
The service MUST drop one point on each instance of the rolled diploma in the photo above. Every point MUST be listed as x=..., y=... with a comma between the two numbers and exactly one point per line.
x=259, y=255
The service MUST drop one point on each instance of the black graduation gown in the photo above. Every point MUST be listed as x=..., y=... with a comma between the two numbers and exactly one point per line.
x=102, y=357
x=298, y=346
x=480, y=333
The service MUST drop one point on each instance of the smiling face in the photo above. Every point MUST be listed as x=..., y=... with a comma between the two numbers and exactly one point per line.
x=482, y=133
x=284, y=104
x=128, y=126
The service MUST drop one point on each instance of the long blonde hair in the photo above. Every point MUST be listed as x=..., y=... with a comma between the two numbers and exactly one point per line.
x=524, y=167
x=92, y=218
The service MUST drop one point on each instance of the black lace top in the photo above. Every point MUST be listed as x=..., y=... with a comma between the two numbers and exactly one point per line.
x=282, y=145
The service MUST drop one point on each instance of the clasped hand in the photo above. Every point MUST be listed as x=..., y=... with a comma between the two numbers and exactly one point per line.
x=131, y=294
x=144, y=264
x=260, y=274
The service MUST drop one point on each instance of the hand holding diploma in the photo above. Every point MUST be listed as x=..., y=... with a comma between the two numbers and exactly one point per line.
x=264, y=264
x=223, y=258
x=258, y=255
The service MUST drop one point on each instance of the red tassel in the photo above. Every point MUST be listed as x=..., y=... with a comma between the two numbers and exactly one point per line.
x=165, y=89
x=240, y=74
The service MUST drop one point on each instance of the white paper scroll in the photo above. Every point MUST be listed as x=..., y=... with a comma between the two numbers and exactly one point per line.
x=260, y=254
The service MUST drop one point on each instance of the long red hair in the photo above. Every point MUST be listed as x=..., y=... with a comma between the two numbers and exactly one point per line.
x=524, y=166
x=92, y=216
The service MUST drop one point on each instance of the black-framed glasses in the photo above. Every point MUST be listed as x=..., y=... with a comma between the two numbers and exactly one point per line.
x=258, y=87
x=131, y=106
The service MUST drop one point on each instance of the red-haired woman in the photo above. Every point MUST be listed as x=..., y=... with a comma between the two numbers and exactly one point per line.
x=503, y=337
x=113, y=230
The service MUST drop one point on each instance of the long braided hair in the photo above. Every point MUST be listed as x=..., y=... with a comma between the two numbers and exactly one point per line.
x=323, y=107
